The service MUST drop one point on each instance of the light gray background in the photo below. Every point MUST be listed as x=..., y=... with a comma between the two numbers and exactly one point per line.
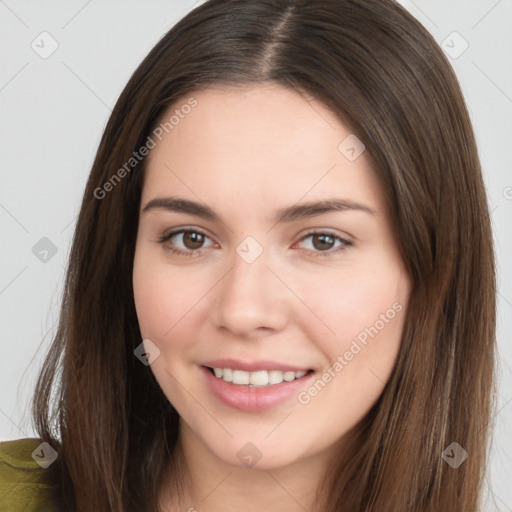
x=53, y=112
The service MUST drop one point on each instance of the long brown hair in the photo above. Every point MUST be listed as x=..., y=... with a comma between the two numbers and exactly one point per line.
x=380, y=72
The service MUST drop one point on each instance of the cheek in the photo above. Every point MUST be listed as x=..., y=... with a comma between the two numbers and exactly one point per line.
x=147, y=292
x=159, y=295
x=159, y=309
x=161, y=303
x=349, y=303
x=170, y=306
x=366, y=311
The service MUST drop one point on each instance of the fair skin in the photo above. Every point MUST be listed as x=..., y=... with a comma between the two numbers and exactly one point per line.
x=247, y=153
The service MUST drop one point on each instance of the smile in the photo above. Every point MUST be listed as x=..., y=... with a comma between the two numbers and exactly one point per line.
x=253, y=389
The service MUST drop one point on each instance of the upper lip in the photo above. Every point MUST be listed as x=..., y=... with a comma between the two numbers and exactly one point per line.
x=254, y=366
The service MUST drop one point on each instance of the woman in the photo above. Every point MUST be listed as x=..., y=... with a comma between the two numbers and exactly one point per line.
x=271, y=300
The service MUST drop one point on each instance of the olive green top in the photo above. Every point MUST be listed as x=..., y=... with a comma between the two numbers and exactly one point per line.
x=23, y=482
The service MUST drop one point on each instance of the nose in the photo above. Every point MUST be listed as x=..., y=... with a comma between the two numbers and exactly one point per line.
x=250, y=299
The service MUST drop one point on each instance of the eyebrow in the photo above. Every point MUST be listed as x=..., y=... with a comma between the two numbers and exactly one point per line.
x=284, y=215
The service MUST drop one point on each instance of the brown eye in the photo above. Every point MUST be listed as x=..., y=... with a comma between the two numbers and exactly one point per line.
x=184, y=242
x=193, y=240
x=325, y=244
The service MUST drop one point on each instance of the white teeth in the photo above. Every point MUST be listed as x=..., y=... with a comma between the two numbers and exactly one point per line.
x=240, y=377
x=289, y=376
x=275, y=377
x=258, y=378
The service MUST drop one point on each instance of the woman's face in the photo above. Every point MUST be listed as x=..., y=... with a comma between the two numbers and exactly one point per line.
x=286, y=280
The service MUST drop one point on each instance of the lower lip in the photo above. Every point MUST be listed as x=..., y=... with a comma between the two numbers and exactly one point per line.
x=255, y=399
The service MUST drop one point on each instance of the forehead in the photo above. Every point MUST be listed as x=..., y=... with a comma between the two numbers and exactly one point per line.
x=260, y=142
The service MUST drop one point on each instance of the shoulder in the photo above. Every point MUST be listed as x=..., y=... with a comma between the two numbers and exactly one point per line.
x=24, y=482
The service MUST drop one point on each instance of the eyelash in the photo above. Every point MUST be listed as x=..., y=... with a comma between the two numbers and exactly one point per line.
x=167, y=236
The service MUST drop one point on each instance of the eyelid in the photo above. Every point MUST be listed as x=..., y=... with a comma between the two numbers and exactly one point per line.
x=327, y=231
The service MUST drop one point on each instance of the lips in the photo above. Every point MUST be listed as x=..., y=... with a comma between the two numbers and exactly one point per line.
x=267, y=390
